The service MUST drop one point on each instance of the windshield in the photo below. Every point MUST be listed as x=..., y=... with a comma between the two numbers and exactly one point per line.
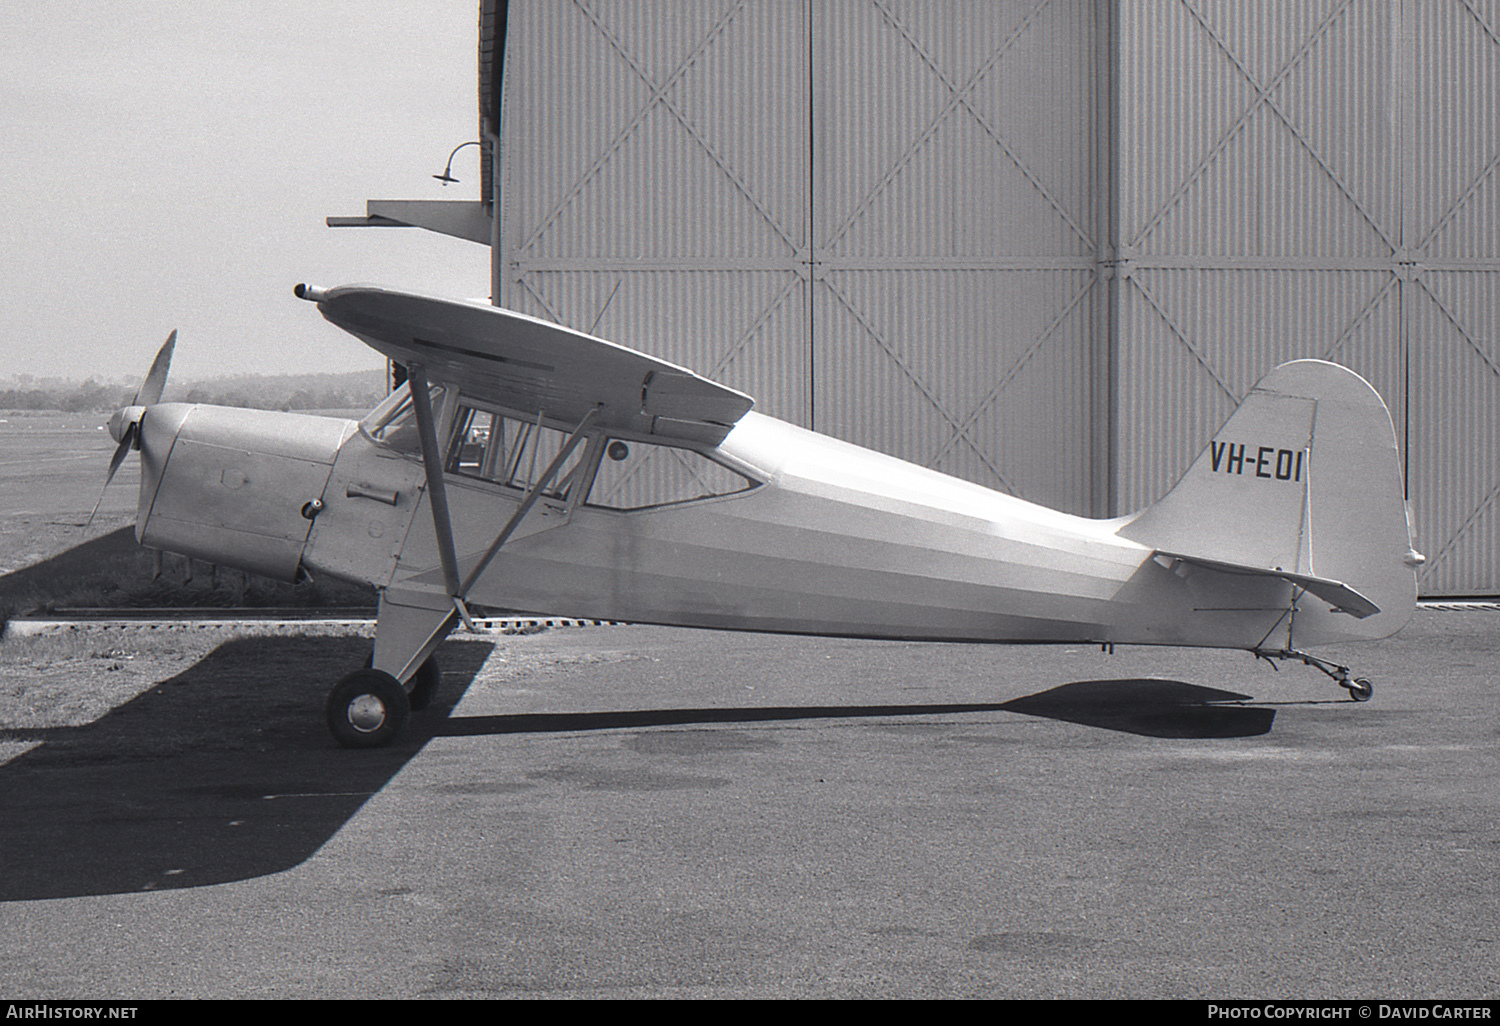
x=393, y=424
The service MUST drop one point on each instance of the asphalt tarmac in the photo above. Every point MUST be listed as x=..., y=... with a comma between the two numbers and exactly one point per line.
x=645, y=812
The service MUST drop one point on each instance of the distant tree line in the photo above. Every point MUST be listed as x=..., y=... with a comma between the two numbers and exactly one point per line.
x=314, y=392
x=89, y=397
x=300, y=399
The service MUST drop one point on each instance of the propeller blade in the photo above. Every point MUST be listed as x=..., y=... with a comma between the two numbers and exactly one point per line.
x=114, y=465
x=130, y=430
x=156, y=377
x=120, y=451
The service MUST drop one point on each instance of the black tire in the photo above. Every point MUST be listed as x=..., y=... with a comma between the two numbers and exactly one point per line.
x=424, y=683
x=367, y=709
x=1361, y=690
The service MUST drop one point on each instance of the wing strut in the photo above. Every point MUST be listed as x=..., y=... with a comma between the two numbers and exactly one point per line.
x=432, y=461
x=442, y=524
x=529, y=500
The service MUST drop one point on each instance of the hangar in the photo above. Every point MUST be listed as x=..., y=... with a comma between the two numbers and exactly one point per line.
x=1043, y=245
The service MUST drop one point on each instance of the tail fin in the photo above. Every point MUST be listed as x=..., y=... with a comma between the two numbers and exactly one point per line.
x=1303, y=482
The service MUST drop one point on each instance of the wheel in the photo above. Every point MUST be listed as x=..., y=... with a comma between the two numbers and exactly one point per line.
x=1360, y=689
x=424, y=683
x=367, y=708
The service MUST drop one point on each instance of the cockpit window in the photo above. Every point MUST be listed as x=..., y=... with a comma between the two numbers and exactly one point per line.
x=636, y=475
x=393, y=424
x=510, y=451
x=488, y=445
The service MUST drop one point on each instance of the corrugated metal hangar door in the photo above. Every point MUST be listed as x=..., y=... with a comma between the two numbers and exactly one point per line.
x=1316, y=179
x=955, y=238
x=877, y=218
x=1045, y=245
x=654, y=190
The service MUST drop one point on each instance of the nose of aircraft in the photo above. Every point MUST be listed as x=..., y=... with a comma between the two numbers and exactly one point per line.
x=230, y=486
x=155, y=430
x=234, y=487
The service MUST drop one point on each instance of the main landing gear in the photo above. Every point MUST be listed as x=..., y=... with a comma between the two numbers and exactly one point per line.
x=369, y=707
x=1360, y=689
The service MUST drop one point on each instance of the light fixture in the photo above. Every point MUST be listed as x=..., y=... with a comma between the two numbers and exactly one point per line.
x=447, y=175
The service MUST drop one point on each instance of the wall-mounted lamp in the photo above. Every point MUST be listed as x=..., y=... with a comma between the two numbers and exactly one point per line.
x=447, y=175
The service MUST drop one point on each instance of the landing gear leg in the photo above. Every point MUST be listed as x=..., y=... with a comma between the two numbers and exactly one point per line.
x=424, y=683
x=1360, y=689
x=370, y=706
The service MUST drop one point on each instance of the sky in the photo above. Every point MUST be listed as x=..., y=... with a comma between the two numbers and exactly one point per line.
x=169, y=164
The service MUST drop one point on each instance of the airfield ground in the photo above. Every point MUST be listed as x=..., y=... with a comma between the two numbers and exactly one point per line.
x=630, y=811
x=52, y=466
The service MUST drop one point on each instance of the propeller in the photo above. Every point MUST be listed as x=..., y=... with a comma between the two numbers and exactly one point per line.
x=125, y=425
x=156, y=377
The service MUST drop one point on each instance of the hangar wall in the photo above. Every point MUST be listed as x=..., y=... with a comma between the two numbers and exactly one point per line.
x=1045, y=245
x=854, y=212
x=1316, y=179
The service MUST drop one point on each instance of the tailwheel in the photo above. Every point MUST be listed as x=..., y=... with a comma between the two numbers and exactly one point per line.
x=1360, y=689
x=367, y=709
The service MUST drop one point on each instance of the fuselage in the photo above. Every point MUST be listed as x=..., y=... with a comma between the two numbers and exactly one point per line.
x=825, y=537
x=839, y=540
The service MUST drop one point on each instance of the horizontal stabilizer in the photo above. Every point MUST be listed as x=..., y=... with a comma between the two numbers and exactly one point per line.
x=1337, y=594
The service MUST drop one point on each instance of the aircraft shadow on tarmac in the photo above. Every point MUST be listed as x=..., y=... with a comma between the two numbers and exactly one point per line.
x=226, y=772
x=223, y=772
x=1152, y=708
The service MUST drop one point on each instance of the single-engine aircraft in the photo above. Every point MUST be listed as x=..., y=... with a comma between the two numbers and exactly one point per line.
x=525, y=465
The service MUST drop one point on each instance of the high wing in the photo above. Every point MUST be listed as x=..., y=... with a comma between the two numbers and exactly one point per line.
x=533, y=367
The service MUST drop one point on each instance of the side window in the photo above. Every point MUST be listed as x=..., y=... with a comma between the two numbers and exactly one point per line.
x=634, y=475
x=504, y=450
x=393, y=424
